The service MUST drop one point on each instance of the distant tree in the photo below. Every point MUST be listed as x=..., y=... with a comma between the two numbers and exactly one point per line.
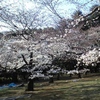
x=57, y=14
x=77, y=14
x=93, y=7
x=93, y=18
x=62, y=25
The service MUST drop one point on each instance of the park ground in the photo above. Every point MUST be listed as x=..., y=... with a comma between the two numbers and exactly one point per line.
x=87, y=88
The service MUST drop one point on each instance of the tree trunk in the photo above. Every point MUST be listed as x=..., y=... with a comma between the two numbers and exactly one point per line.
x=30, y=86
x=58, y=76
x=79, y=75
x=70, y=75
x=51, y=80
x=14, y=77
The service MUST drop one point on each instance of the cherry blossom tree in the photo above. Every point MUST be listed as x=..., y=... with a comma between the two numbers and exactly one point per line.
x=91, y=59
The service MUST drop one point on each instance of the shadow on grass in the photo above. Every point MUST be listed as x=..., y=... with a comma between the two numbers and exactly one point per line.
x=11, y=91
x=83, y=89
x=47, y=95
x=76, y=92
x=6, y=92
x=83, y=92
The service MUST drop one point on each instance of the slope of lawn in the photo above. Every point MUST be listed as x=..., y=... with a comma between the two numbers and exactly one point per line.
x=75, y=89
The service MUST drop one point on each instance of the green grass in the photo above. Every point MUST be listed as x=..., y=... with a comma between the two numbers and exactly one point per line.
x=79, y=89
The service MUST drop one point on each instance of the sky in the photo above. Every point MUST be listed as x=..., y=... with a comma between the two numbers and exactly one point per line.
x=65, y=9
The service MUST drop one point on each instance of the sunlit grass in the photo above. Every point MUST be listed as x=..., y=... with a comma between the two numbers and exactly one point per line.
x=75, y=89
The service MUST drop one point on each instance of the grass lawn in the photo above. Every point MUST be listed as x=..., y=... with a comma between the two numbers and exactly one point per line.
x=75, y=89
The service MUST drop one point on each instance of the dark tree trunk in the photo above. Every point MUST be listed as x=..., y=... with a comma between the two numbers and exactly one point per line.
x=58, y=76
x=70, y=75
x=96, y=69
x=24, y=76
x=14, y=77
x=51, y=80
x=30, y=86
x=79, y=75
